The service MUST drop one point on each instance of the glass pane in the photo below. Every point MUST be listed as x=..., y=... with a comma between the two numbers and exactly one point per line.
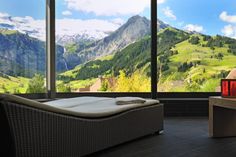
x=196, y=44
x=103, y=45
x=22, y=46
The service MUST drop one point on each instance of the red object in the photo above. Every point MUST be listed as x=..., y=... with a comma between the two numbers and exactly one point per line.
x=228, y=87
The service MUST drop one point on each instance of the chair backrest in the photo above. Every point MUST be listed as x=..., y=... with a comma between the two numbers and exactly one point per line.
x=6, y=142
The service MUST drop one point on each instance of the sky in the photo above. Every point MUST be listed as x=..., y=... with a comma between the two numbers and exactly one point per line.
x=100, y=16
x=21, y=8
x=210, y=17
x=97, y=18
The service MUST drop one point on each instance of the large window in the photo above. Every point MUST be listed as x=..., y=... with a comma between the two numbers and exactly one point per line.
x=196, y=44
x=22, y=46
x=103, y=45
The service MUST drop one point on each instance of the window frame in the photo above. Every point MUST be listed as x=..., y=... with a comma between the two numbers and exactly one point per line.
x=50, y=49
x=153, y=53
x=51, y=67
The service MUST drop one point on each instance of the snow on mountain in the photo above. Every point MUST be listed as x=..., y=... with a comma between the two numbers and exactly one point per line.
x=26, y=25
x=92, y=29
x=76, y=29
x=83, y=36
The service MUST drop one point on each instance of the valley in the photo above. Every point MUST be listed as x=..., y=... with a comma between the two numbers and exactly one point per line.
x=120, y=62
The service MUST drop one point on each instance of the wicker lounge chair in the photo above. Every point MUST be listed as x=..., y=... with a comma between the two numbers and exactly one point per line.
x=33, y=129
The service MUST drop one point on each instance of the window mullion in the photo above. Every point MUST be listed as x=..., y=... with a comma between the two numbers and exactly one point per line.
x=154, y=48
x=50, y=44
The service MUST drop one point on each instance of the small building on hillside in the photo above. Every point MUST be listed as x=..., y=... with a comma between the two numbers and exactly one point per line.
x=98, y=84
x=232, y=74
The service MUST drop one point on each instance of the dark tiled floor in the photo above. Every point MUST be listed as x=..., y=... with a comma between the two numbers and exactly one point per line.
x=183, y=137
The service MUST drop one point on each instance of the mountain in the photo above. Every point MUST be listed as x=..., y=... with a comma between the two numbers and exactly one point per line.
x=161, y=25
x=131, y=58
x=6, y=26
x=87, y=45
x=36, y=28
x=84, y=36
x=186, y=62
x=26, y=25
x=88, y=36
x=79, y=39
x=22, y=55
x=134, y=57
x=133, y=30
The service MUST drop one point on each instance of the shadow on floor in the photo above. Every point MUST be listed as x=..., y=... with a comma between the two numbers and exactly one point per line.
x=182, y=137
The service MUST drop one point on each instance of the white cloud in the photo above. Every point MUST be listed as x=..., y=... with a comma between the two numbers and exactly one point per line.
x=93, y=27
x=4, y=15
x=26, y=19
x=160, y=1
x=169, y=13
x=118, y=21
x=66, y=13
x=229, y=31
x=27, y=25
x=5, y=20
x=227, y=18
x=109, y=7
x=36, y=28
x=194, y=28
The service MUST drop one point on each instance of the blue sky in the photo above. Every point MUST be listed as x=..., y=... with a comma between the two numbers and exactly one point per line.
x=103, y=12
x=73, y=16
x=34, y=8
x=206, y=16
x=202, y=13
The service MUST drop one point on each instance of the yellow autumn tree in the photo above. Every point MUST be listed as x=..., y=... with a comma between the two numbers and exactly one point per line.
x=137, y=82
x=122, y=84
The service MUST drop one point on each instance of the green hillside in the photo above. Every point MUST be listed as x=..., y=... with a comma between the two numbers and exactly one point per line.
x=8, y=32
x=135, y=57
x=198, y=66
x=9, y=84
x=186, y=62
x=130, y=59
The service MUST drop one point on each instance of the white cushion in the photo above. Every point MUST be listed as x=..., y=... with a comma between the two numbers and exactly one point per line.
x=87, y=107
